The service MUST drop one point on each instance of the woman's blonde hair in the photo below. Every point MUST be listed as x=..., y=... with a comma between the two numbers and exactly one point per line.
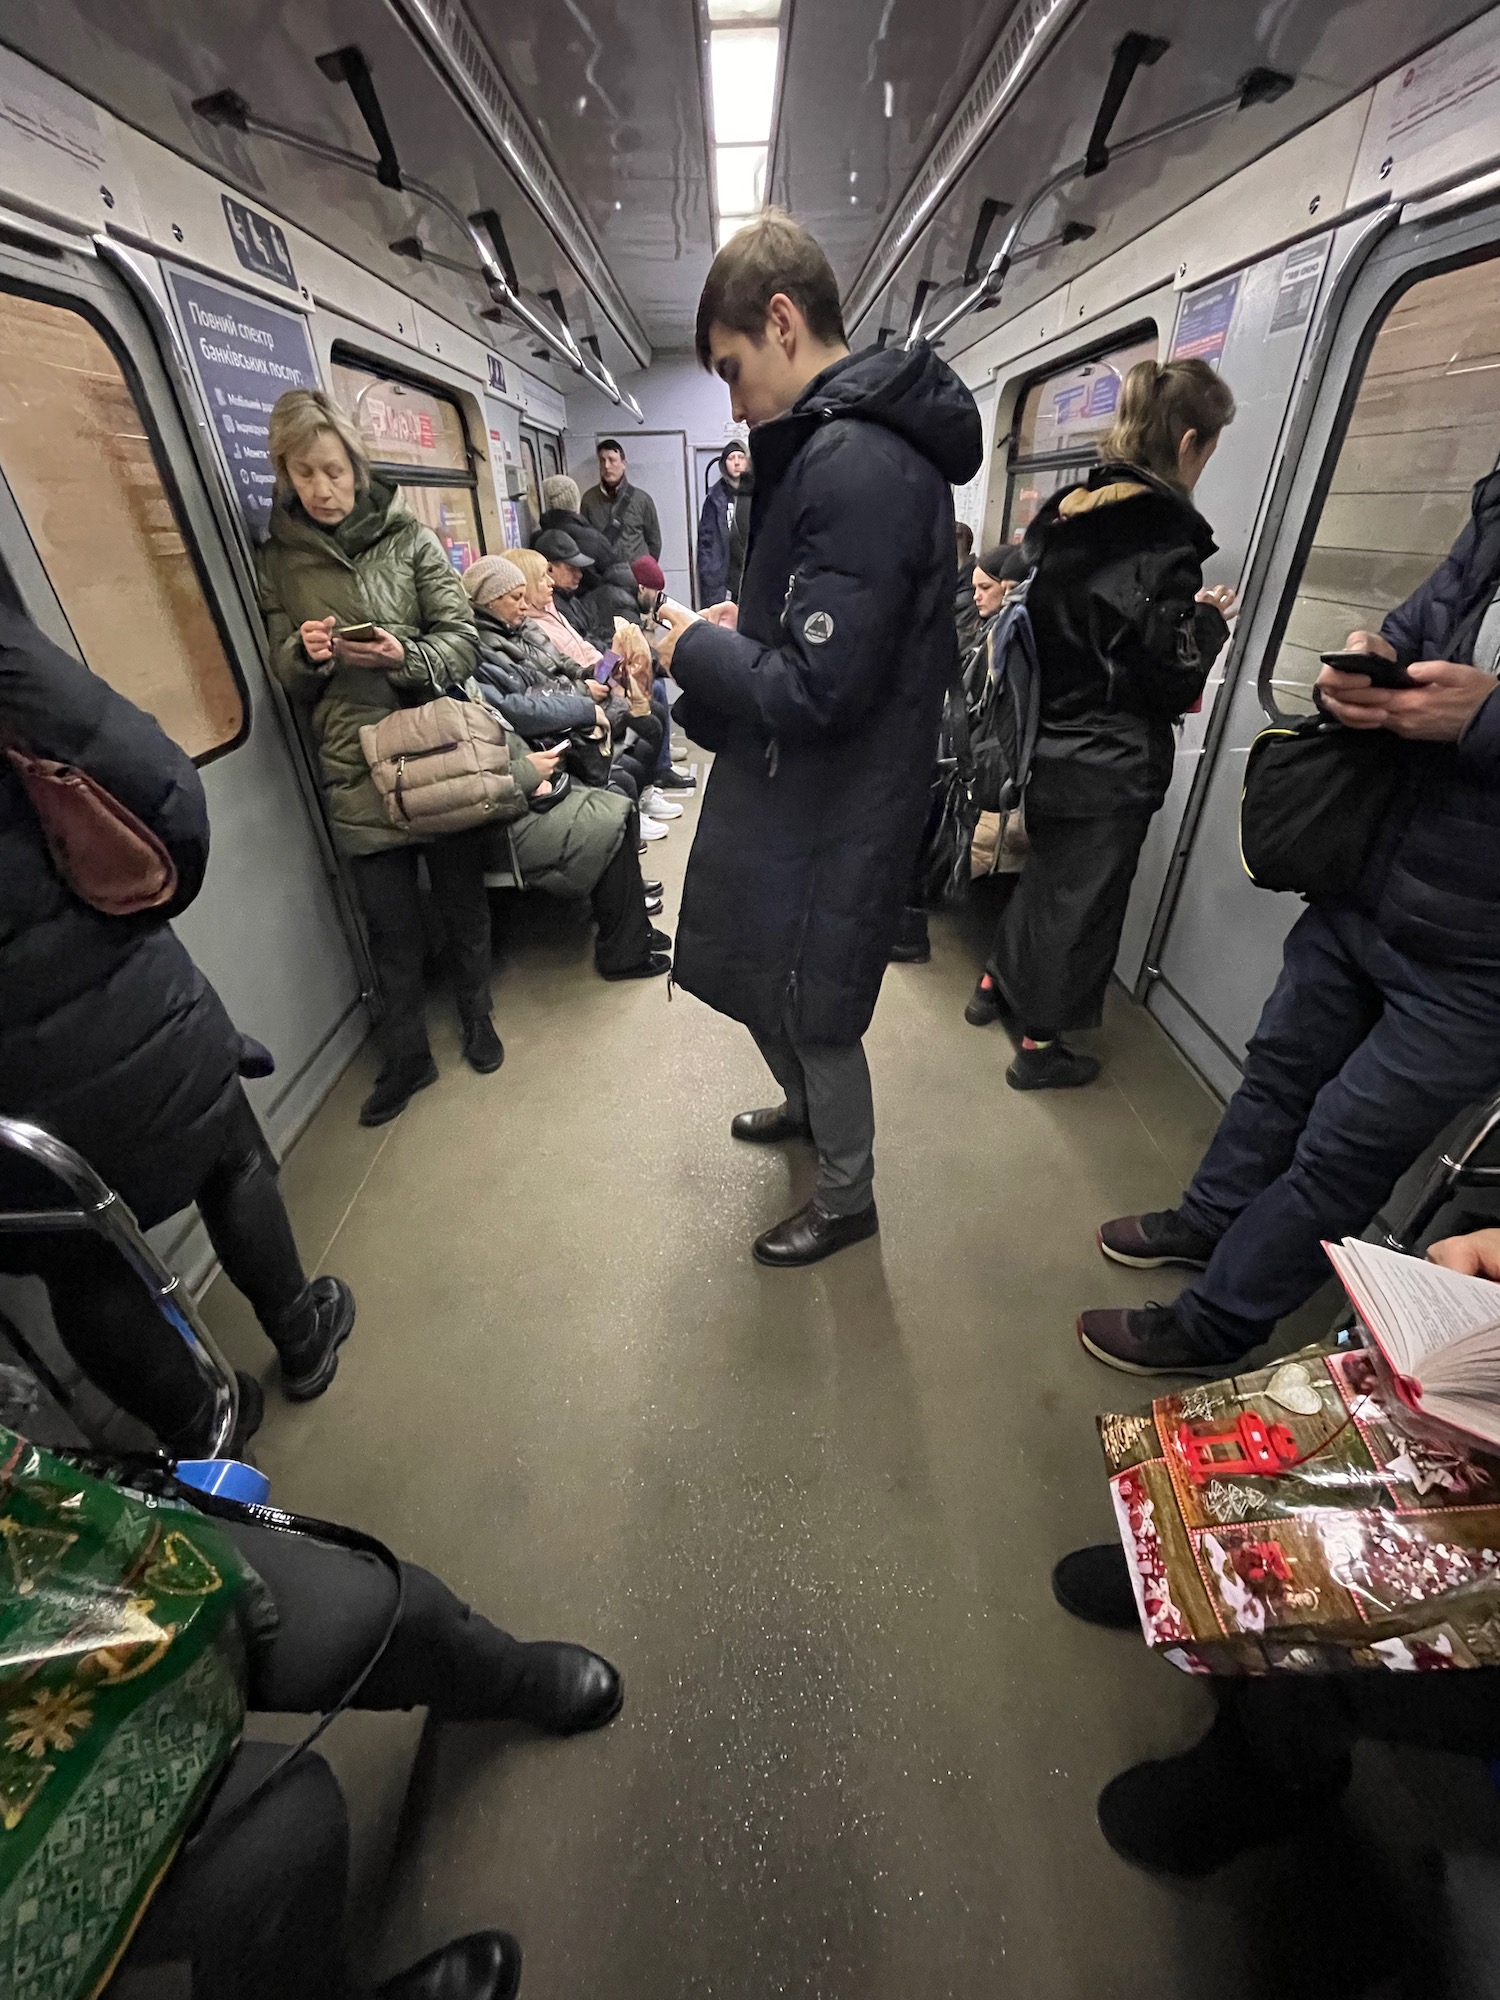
x=1160, y=403
x=299, y=418
x=531, y=563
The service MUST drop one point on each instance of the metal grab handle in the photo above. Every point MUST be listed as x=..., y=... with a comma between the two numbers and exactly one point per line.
x=101, y=1210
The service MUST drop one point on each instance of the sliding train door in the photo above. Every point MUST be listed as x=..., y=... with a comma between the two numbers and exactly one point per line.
x=1401, y=415
x=116, y=526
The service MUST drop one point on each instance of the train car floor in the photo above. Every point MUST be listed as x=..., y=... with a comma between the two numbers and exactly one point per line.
x=810, y=1514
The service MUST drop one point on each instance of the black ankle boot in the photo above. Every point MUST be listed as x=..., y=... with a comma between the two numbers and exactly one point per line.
x=483, y=1966
x=911, y=945
x=565, y=1689
x=483, y=1049
x=395, y=1087
x=310, y=1338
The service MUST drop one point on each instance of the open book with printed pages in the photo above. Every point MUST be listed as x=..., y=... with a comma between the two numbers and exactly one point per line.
x=1439, y=1331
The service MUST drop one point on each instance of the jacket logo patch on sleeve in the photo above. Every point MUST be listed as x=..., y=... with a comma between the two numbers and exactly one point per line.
x=817, y=628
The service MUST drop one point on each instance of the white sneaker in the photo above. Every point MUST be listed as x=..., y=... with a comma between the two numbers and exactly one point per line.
x=652, y=829
x=656, y=802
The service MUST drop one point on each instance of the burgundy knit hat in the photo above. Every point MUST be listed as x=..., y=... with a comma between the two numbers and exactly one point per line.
x=647, y=572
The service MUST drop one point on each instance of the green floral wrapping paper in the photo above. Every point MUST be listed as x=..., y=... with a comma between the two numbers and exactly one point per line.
x=1302, y=1519
x=121, y=1696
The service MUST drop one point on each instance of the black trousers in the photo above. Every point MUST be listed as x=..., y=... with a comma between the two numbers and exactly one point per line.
x=388, y=894
x=1301, y=1724
x=104, y=1314
x=638, y=761
x=1059, y=935
x=253, y=1906
x=619, y=901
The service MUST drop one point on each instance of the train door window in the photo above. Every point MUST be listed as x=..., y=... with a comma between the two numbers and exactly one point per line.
x=77, y=454
x=551, y=458
x=531, y=467
x=1423, y=426
x=1060, y=420
x=416, y=438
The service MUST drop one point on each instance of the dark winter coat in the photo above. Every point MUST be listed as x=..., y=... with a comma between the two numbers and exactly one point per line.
x=1434, y=881
x=1123, y=648
x=965, y=611
x=608, y=589
x=523, y=676
x=627, y=520
x=110, y=1036
x=823, y=706
x=380, y=564
x=723, y=537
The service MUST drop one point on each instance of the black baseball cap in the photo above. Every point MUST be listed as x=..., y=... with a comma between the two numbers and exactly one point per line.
x=557, y=545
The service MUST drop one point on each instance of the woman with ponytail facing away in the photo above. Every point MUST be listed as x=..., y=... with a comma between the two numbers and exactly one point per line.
x=1125, y=635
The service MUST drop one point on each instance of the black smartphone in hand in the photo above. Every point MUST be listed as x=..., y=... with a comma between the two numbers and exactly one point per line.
x=1382, y=673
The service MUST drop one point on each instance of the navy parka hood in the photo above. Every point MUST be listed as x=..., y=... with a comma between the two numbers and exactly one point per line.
x=914, y=394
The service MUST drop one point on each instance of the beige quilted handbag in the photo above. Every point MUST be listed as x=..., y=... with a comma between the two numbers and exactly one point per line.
x=443, y=767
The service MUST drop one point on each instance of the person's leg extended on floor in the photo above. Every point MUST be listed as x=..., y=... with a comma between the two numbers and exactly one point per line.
x=827, y=1088
x=1362, y=1058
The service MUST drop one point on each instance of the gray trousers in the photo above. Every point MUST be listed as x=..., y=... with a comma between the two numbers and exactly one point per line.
x=827, y=1086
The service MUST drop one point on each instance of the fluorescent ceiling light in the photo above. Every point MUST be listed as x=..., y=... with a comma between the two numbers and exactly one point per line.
x=721, y=11
x=742, y=84
x=740, y=173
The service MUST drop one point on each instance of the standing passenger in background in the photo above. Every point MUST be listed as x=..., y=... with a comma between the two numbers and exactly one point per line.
x=622, y=513
x=823, y=705
x=724, y=528
x=342, y=552
x=1125, y=637
x=966, y=613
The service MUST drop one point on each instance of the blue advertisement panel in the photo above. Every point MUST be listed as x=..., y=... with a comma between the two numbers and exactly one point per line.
x=245, y=353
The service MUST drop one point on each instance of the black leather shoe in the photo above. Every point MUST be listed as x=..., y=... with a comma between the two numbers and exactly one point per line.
x=484, y=1966
x=565, y=1689
x=660, y=941
x=811, y=1235
x=651, y=888
x=483, y=1048
x=654, y=906
x=395, y=1087
x=310, y=1355
x=652, y=966
x=768, y=1127
x=1094, y=1585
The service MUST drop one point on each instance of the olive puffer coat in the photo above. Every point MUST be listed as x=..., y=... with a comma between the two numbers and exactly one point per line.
x=564, y=851
x=382, y=565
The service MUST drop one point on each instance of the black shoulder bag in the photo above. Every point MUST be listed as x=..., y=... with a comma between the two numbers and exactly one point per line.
x=1315, y=798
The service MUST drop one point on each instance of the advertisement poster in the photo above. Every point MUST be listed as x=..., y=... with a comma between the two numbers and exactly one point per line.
x=245, y=353
x=1204, y=320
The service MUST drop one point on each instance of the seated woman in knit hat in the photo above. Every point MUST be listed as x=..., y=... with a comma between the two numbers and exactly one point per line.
x=544, y=695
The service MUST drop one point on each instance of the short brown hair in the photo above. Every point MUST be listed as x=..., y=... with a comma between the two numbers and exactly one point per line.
x=770, y=255
x=302, y=415
x=1160, y=403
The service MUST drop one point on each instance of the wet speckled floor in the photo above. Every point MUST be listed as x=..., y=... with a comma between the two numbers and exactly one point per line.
x=811, y=1514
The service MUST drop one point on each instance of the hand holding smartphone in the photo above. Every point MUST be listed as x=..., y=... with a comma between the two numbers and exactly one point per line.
x=365, y=634
x=1382, y=673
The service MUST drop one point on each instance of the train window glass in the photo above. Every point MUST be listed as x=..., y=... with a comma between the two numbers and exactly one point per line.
x=76, y=452
x=551, y=458
x=1424, y=426
x=531, y=466
x=416, y=437
x=1061, y=419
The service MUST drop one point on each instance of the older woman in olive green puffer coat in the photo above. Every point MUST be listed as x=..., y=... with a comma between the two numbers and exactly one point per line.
x=343, y=553
x=377, y=566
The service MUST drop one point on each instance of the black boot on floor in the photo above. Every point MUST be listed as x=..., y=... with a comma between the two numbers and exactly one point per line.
x=768, y=1127
x=911, y=945
x=659, y=940
x=483, y=1966
x=811, y=1235
x=1054, y=1066
x=310, y=1350
x=565, y=1689
x=1094, y=1585
x=483, y=1049
x=395, y=1087
x=985, y=1005
x=652, y=966
x=1192, y=1814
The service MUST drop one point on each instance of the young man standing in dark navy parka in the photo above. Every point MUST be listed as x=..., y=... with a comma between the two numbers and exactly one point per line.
x=819, y=697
